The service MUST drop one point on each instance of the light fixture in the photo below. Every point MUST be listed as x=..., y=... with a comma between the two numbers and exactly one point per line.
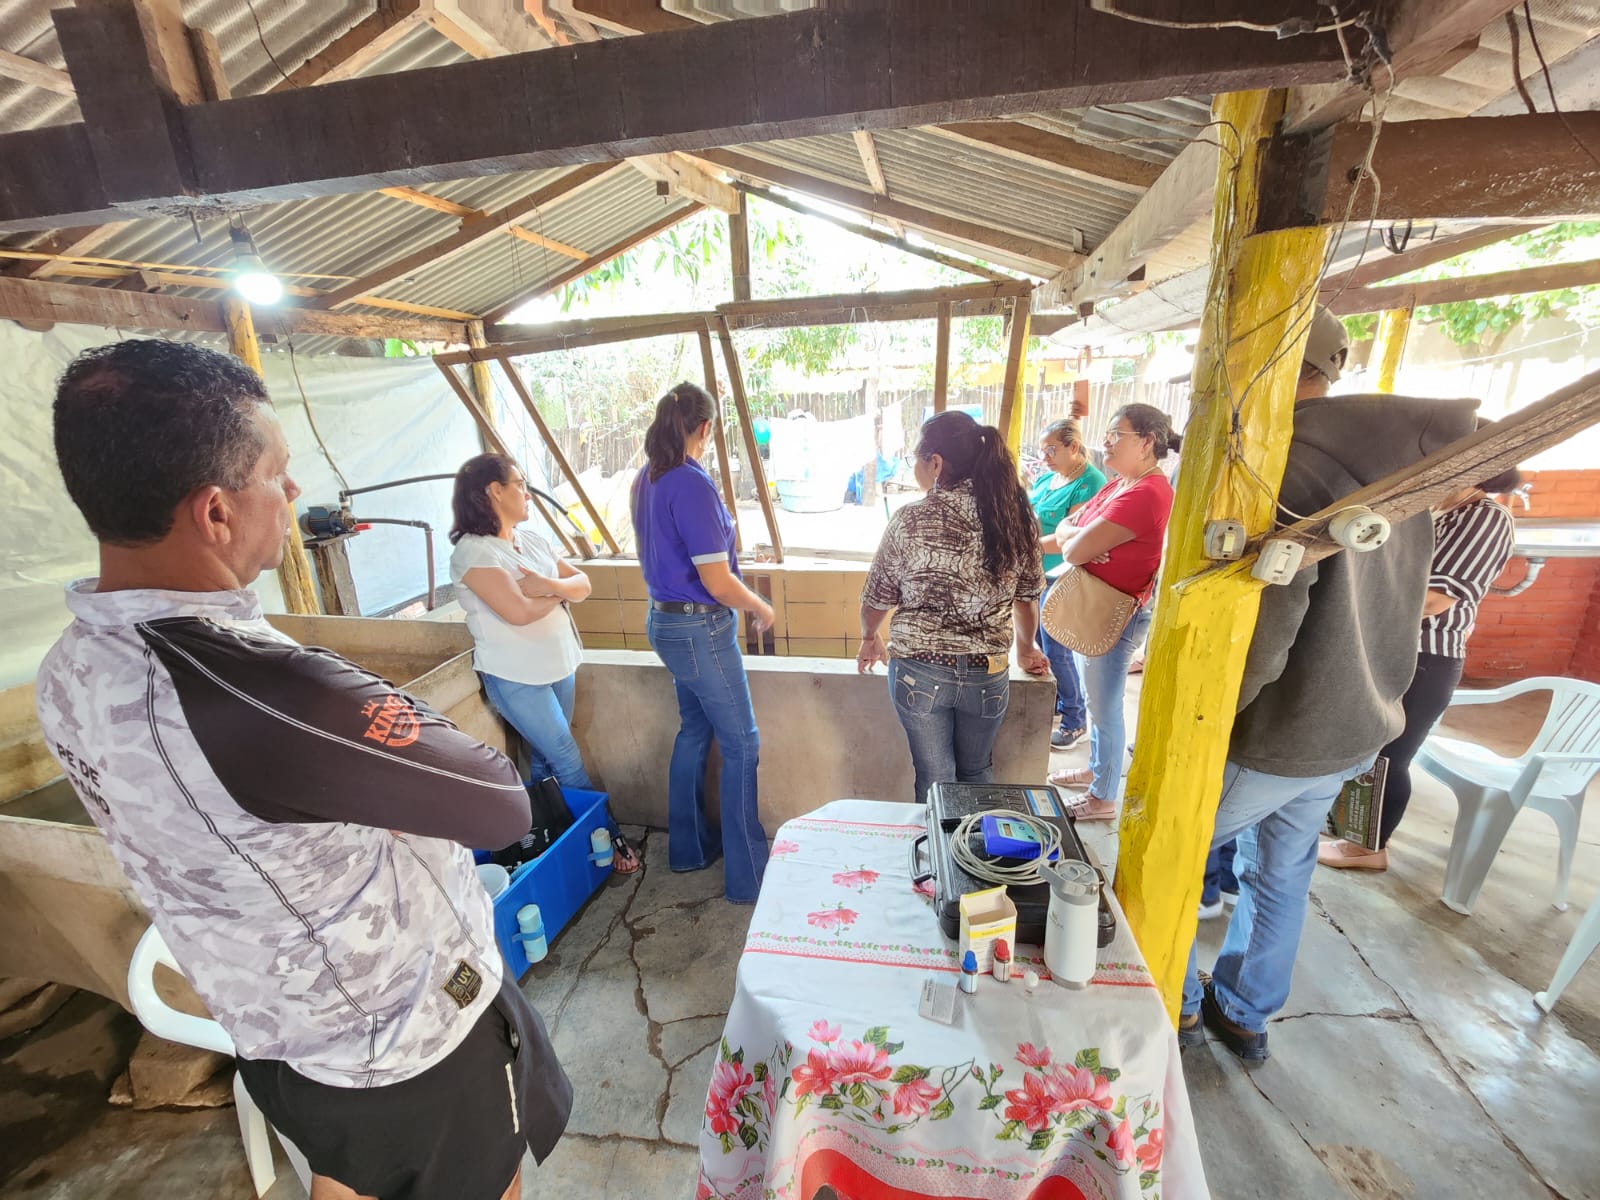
x=251, y=279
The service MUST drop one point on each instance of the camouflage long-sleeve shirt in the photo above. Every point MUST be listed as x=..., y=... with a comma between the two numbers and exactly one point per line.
x=296, y=826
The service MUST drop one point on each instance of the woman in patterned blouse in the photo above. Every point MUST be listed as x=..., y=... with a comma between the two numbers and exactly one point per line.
x=960, y=568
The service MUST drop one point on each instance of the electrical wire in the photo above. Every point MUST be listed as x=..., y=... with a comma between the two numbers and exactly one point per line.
x=1515, y=33
x=1282, y=29
x=991, y=870
x=262, y=38
x=294, y=365
x=1533, y=37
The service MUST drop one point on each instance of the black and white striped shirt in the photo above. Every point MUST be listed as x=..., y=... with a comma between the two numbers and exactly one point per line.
x=1472, y=545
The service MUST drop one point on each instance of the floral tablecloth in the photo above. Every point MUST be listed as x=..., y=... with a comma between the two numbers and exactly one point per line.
x=828, y=1074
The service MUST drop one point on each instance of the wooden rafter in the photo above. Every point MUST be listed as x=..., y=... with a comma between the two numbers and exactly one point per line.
x=1024, y=143
x=1051, y=256
x=26, y=70
x=979, y=60
x=685, y=177
x=470, y=234
x=1425, y=254
x=598, y=259
x=870, y=163
x=428, y=200
x=1468, y=287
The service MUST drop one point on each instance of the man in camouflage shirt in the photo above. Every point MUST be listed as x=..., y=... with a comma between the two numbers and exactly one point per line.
x=297, y=827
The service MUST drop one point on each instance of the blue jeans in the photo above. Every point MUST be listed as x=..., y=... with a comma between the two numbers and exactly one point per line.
x=1276, y=819
x=1105, y=681
x=542, y=714
x=702, y=652
x=1069, y=688
x=951, y=717
x=1219, y=873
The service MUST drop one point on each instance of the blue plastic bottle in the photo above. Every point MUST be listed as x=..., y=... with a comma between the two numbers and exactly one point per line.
x=530, y=925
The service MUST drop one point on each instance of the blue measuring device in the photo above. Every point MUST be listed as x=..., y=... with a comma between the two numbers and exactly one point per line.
x=1004, y=837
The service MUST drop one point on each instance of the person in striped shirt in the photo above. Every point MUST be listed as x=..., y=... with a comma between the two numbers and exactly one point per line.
x=1473, y=539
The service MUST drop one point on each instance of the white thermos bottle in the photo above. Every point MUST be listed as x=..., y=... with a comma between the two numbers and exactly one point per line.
x=1072, y=926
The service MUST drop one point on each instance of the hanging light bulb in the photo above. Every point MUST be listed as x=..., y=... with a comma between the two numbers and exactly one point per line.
x=251, y=279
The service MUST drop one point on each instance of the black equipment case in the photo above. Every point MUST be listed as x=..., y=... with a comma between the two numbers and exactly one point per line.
x=948, y=804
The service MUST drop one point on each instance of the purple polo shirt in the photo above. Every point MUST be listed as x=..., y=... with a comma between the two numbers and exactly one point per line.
x=679, y=522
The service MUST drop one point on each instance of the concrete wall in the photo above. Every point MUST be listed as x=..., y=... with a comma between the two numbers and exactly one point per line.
x=826, y=734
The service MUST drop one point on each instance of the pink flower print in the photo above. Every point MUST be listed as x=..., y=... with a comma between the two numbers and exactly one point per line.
x=1149, y=1154
x=861, y=879
x=769, y=1093
x=832, y=918
x=703, y=1190
x=858, y=1062
x=1034, y=1103
x=729, y=1082
x=822, y=1032
x=814, y=1076
x=783, y=846
x=1079, y=1087
x=1030, y=1055
x=914, y=1098
x=1120, y=1142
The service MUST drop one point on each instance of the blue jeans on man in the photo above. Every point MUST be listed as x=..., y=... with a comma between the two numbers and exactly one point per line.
x=951, y=716
x=542, y=714
x=1276, y=820
x=701, y=650
x=1069, y=688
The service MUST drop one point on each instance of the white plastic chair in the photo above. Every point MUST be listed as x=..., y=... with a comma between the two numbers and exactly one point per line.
x=1551, y=777
x=1581, y=946
x=161, y=1019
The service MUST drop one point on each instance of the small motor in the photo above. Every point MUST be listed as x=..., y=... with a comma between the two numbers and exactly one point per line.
x=320, y=521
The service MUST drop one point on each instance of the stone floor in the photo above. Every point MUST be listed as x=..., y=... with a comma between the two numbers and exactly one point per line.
x=1410, y=1061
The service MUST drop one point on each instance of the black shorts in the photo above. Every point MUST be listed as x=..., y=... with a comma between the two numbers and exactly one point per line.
x=455, y=1132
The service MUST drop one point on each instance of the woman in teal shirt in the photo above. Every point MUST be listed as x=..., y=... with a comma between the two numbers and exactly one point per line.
x=1070, y=480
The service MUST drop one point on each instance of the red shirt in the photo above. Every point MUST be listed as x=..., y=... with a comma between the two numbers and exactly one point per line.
x=1142, y=507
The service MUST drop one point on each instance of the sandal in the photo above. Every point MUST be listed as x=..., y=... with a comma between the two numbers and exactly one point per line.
x=1072, y=777
x=1087, y=808
x=624, y=858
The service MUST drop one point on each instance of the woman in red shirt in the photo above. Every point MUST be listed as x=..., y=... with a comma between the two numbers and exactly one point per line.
x=1117, y=537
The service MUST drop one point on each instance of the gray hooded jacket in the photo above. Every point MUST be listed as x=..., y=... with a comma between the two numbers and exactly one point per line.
x=1335, y=650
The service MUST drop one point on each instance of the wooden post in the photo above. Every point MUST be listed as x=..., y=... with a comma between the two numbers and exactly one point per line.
x=709, y=363
x=482, y=380
x=493, y=441
x=336, y=586
x=1393, y=326
x=1251, y=343
x=1011, y=391
x=757, y=471
x=555, y=452
x=941, y=358
x=739, y=248
x=294, y=572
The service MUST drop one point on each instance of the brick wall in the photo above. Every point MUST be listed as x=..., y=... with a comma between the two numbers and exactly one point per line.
x=1553, y=628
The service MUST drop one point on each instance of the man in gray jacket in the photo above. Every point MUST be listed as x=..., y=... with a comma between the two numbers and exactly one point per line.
x=1332, y=655
x=297, y=827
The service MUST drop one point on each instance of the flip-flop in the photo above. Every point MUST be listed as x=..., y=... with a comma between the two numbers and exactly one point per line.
x=1078, y=809
x=1072, y=777
x=624, y=859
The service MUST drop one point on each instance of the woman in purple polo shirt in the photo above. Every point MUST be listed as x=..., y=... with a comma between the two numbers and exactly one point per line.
x=686, y=548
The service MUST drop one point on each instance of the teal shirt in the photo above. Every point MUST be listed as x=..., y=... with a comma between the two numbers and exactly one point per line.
x=1053, y=499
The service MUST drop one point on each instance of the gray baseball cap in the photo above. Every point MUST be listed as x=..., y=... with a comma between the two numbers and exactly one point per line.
x=1327, y=345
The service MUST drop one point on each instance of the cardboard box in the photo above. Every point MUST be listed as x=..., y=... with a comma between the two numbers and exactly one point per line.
x=598, y=616
x=634, y=613
x=817, y=648
x=602, y=580
x=804, y=585
x=604, y=641
x=636, y=641
x=630, y=582
x=803, y=620
x=986, y=917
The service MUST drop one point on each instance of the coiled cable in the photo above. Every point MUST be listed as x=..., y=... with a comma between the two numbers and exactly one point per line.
x=991, y=870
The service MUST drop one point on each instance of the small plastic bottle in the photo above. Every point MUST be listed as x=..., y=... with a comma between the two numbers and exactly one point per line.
x=1002, y=960
x=530, y=925
x=600, y=847
x=969, y=973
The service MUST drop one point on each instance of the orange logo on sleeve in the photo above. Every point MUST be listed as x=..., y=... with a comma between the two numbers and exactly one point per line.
x=394, y=722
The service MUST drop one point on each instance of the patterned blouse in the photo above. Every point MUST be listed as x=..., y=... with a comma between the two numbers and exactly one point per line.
x=929, y=569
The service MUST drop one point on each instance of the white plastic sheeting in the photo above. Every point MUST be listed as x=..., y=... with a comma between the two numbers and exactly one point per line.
x=381, y=420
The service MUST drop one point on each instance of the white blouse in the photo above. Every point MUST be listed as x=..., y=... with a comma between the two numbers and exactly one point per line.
x=542, y=652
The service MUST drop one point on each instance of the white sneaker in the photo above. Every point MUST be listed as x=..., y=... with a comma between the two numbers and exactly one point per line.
x=1209, y=912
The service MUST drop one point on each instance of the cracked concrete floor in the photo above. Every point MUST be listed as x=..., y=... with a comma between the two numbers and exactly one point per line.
x=1410, y=1061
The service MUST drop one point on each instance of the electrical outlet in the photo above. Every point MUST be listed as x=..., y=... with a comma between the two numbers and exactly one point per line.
x=1278, y=561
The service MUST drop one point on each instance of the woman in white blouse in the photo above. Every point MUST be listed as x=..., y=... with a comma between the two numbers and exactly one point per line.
x=516, y=592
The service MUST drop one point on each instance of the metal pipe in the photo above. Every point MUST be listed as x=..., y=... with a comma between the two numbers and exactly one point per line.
x=427, y=531
x=1535, y=565
x=346, y=493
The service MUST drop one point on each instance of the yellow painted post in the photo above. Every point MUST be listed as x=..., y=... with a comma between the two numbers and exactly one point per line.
x=1251, y=343
x=294, y=572
x=1390, y=348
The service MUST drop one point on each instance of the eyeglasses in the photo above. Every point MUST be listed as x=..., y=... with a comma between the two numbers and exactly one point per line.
x=1113, y=436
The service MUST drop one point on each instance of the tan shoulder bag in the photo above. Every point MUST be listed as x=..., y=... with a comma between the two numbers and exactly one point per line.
x=1084, y=613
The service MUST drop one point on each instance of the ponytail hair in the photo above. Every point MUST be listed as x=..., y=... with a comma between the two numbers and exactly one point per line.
x=678, y=414
x=978, y=453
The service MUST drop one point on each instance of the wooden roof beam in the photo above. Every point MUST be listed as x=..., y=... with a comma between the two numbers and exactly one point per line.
x=860, y=70
x=470, y=234
x=1468, y=287
x=623, y=16
x=26, y=70
x=1051, y=256
x=687, y=178
x=870, y=163
x=1024, y=143
x=356, y=49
